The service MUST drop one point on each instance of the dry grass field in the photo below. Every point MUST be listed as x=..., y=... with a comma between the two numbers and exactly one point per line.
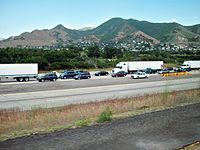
x=14, y=123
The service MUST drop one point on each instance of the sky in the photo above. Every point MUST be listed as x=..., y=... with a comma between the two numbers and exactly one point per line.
x=18, y=16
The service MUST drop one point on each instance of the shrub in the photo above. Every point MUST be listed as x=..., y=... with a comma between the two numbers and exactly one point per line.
x=82, y=122
x=105, y=116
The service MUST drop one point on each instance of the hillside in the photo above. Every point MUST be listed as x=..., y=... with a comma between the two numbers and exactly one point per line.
x=195, y=28
x=115, y=30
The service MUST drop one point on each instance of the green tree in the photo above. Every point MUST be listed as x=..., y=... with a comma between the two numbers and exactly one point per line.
x=93, y=52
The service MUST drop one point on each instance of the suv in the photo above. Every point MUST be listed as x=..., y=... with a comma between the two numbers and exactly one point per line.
x=49, y=76
x=139, y=75
x=82, y=75
x=68, y=74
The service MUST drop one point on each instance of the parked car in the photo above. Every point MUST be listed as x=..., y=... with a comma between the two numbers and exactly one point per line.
x=82, y=75
x=68, y=74
x=139, y=75
x=101, y=73
x=119, y=74
x=48, y=76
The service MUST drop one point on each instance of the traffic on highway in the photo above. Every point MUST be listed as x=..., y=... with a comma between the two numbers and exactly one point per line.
x=26, y=95
x=138, y=69
x=61, y=88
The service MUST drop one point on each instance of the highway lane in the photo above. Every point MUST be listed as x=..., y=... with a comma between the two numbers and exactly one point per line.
x=53, y=98
x=32, y=86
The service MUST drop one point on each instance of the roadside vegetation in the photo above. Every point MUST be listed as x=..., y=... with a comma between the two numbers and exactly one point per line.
x=90, y=57
x=105, y=116
x=14, y=123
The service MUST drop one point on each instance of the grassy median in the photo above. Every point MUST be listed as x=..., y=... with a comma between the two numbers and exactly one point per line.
x=14, y=123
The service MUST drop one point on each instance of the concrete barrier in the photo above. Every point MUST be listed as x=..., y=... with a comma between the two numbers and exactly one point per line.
x=175, y=73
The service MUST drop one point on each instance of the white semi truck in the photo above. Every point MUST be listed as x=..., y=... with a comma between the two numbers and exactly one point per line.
x=20, y=72
x=191, y=64
x=133, y=66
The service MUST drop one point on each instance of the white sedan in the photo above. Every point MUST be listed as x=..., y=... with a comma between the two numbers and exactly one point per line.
x=139, y=75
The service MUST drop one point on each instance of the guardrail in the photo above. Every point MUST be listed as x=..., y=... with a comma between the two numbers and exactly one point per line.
x=175, y=73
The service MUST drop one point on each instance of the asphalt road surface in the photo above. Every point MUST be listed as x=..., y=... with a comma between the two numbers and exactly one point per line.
x=52, y=94
x=11, y=86
x=162, y=130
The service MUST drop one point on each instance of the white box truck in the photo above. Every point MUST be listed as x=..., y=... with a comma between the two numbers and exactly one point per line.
x=191, y=64
x=133, y=66
x=20, y=72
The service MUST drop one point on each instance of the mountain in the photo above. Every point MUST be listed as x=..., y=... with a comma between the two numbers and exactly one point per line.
x=42, y=37
x=86, y=29
x=195, y=28
x=118, y=29
x=1, y=38
x=163, y=32
x=113, y=30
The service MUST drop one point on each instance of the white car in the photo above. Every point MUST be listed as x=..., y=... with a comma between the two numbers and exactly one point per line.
x=139, y=75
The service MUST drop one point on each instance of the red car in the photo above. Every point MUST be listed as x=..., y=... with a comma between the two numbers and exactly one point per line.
x=119, y=74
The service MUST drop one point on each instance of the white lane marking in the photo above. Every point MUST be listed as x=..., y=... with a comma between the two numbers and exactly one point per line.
x=82, y=96
x=107, y=87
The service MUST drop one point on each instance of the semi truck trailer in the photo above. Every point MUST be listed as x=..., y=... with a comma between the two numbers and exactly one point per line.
x=133, y=66
x=20, y=72
x=191, y=64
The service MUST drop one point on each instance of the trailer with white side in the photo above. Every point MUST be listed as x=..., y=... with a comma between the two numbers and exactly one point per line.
x=133, y=66
x=20, y=72
x=192, y=64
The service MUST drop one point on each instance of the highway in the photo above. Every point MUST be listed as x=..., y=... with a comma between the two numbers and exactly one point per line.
x=64, y=92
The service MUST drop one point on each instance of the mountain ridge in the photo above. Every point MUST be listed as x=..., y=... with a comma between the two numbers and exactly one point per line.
x=114, y=30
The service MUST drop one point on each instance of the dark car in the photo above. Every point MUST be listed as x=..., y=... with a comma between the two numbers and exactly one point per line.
x=166, y=70
x=149, y=71
x=119, y=74
x=82, y=75
x=78, y=71
x=49, y=77
x=183, y=69
x=186, y=69
x=68, y=74
x=101, y=73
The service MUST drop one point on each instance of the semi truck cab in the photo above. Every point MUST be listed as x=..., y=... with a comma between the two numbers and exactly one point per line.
x=122, y=66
